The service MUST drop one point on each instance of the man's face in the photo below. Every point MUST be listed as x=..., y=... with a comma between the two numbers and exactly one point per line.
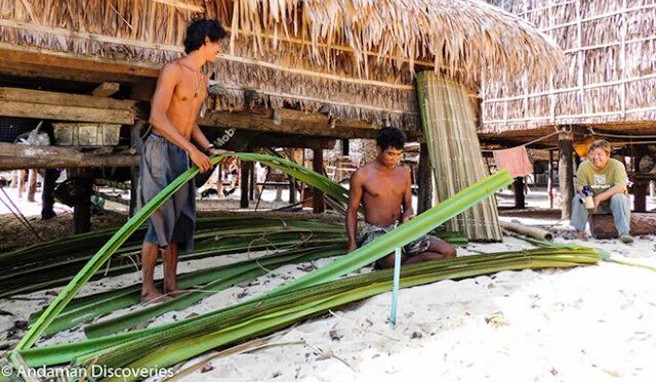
x=598, y=157
x=211, y=49
x=391, y=156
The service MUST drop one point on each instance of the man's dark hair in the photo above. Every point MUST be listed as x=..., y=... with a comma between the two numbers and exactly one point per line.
x=390, y=137
x=201, y=28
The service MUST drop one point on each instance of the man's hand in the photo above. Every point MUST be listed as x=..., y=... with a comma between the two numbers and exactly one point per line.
x=351, y=247
x=408, y=215
x=201, y=160
x=226, y=159
x=597, y=201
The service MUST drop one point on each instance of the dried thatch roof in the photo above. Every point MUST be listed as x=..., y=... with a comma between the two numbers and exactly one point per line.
x=351, y=58
x=608, y=76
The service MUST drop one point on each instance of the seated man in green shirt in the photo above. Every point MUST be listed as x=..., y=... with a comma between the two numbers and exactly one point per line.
x=607, y=179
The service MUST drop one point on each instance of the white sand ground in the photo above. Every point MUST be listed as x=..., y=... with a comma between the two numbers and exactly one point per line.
x=595, y=323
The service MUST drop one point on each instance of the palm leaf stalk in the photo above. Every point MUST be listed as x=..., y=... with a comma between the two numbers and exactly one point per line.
x=310, y=177
x=83, y=309
x=208, y=282
x=53, y=275
x=287, y=314
x=62, y=250
x=146, y=340
x=404, y=234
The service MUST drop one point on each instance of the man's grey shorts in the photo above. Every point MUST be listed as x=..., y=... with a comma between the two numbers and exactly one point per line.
x=175, y=221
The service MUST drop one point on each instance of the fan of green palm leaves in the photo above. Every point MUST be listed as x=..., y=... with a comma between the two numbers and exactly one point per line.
x=365, y=255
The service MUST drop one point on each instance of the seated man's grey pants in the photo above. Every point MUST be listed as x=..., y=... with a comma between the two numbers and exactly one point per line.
x=619, y=205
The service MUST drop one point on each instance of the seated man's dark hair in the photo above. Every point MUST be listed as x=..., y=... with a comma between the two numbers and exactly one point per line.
x=201, y=28
x=390, y=137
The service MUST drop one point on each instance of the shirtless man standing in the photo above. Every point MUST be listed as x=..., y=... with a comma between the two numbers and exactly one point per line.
x=180, y=93
x=384, y=188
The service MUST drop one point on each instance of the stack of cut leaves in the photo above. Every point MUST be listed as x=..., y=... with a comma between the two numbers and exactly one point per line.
x=307, y=296
x=55, y=263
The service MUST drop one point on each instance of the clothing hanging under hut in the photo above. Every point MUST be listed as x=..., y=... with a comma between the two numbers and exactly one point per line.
x=515, y=160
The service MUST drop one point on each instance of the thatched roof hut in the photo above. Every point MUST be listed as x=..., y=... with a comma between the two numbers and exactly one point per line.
x=315, y=67
x=607, y=82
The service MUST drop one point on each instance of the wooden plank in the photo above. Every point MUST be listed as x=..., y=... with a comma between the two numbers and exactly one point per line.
x=105, y=89
x=45, y=63
x=13, y=157
x=602, y=226
x=65, y=113
x=63, y=99
x=248, y=121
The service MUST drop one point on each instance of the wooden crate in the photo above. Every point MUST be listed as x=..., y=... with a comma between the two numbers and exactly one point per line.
x=86, y=134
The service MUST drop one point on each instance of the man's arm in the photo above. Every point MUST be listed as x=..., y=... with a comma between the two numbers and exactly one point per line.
x=169, y=77
x=408, y=211
x=355, y=196
x=619, y=186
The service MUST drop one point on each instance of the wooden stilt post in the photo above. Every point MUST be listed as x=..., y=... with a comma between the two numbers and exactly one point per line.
x=135, y=138
x=292, y=191
x=82, y=209
x=518, y=190
x=31, y=188
x=243, y=179
x=550, y=180
x=566, y=172
x=640, y=189
x=424, y=181
x=251, y=188
x=47, y=194
x=318, y=203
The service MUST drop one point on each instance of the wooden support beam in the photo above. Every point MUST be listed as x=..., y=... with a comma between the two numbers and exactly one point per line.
x=47, y=194
x=318, y=202
x=290, y=141
x=566, y=172
x=603, y=226
x=26, y=103
x=518, y=191
x=248, y=121
x=31, y=185
x=424, y=180
x=82, y=208
x=105, y=89
x=243, y=183
x=14, y=157
x=27, y=61
x=550, y=180
x=640, y=189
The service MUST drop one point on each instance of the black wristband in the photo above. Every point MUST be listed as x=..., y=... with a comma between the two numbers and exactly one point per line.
x=209, y=147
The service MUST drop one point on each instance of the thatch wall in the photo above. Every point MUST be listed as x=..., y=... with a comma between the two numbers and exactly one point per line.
x=348, y=58
x=608, y=76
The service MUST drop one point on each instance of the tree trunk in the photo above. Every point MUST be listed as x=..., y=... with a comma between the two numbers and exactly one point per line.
x=602, y=226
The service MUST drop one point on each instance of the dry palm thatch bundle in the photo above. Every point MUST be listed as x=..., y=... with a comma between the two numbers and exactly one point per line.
x=608, y=73
x=352, y=59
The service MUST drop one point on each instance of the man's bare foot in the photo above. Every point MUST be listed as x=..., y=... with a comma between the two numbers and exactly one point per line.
x=153, y=297
x=174, y=292
x=580, y=235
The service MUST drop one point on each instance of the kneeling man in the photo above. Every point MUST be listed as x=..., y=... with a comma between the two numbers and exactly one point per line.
x=384, y=188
